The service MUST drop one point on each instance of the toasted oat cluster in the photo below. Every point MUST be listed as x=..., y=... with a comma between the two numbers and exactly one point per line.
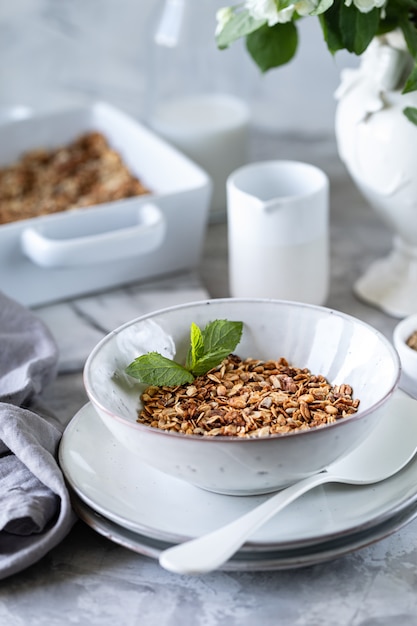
x=247, y=398
x=81, y=174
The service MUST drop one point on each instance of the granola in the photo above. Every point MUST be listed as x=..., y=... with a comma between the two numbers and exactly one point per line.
x=247, y=398
x=81, y=174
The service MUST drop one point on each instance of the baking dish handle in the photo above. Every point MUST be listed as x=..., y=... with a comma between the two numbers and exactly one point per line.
x=112, y=245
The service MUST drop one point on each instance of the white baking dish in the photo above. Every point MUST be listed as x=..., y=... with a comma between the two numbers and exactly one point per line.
x=57, y=256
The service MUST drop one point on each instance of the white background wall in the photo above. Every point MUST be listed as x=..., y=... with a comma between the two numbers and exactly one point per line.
x=55, y=52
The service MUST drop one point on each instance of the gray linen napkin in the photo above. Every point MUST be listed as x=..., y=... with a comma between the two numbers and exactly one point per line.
x=35, y=509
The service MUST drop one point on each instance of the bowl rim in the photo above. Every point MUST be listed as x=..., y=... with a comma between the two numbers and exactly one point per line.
x=224, y=438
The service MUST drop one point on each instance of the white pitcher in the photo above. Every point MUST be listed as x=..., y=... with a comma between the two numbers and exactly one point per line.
x=278, y=233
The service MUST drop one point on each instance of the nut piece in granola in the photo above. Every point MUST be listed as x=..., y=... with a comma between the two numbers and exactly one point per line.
x=247, y=398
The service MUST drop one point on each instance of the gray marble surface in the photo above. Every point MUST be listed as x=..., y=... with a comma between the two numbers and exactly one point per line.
x=90, y=580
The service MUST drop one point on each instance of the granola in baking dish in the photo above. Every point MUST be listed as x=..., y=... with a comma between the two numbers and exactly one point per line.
x=83, y=173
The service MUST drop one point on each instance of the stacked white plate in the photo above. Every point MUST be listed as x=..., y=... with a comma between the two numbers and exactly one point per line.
x=146, y=511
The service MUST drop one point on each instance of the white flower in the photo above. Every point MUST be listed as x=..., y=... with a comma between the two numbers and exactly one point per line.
x=285, y=15
x=365, y=6
x=306, y=7
x=223, y=16
x=268, y=10
x=263, y=10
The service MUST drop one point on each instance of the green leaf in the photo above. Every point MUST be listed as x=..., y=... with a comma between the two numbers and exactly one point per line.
x=358, y=28
x=411, y=83
x=154, y=369
x=208, y=361
x=411, y=114
x=240, y=25
x=272, y=46
x=345, y=27
x=330, y=25
x=396, y=14
x=410, y=33
x=222, y=335
x=220, y=339
x=207, y=349
x=196, y=346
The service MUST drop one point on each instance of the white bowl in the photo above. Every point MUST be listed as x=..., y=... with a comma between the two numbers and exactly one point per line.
x=408, y=356
x=340, y=347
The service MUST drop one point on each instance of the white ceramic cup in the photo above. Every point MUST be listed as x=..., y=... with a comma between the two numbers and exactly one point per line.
x=278, y=232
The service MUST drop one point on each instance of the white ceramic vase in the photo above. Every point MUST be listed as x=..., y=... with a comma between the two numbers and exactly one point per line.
x=378, y=145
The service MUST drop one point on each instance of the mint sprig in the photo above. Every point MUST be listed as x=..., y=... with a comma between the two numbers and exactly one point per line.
x=207, y=349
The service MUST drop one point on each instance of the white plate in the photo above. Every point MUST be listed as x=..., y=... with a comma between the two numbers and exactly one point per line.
x=251, y=560
x=116, y=484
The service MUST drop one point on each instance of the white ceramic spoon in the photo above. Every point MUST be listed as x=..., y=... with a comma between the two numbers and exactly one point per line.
x=387, y=450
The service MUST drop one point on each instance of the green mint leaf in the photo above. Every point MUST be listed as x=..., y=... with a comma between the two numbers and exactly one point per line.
x=220, y=339
x=196, y=349
x=272, y=46
x=207, y=349
x=155, y=369
x=240, y=25
x=222, y=335
x=208, y=361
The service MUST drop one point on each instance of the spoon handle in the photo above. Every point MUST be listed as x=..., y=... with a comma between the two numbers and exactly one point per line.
x=206, y=553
